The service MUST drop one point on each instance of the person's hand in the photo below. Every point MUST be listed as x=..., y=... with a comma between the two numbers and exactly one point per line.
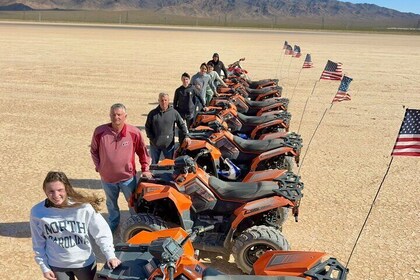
x=147, y=174
x=205, y=109
x=113, y=263
x=49, y=275
x=187, y=141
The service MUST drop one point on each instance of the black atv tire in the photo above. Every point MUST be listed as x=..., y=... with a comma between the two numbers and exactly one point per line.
x=139, y=222
x=282, y=214
x=289, y=163
x=255, y=241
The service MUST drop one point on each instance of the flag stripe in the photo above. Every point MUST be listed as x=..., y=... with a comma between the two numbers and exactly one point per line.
x=332, y=71
x=408, y=140
x=408, y=154
x=342, y=94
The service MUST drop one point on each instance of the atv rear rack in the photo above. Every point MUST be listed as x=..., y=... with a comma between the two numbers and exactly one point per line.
x=290, y=186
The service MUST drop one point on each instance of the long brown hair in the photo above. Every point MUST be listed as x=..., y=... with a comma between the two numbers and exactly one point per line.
x=77, y=198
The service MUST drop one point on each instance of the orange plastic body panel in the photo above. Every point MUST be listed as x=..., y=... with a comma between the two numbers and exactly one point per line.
x=187, y=264
x=166, y=162
x=153, y=192
x=146, y=237
x=258, y=206
x=265, y=175
x=268, y=124
x=272, y=112
x=273, y=135
x=286, y=263
x=271, y=94
x=269, y=154
x=199, y=144
x=272, y=107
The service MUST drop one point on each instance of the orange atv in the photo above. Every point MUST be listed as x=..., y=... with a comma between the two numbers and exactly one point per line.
x=236, y=71
x=247, y=127
x=254, y=94
x=169, y=254
x=254, y=108
x=231, y=157
x=247, y=217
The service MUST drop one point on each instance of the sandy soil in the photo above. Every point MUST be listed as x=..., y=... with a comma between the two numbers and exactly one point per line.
x=57, y=83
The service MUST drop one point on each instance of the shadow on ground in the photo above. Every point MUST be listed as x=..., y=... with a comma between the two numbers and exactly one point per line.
x=16, y=230
x=92, y=184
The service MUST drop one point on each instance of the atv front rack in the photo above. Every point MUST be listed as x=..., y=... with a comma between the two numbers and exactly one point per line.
x=331, y=269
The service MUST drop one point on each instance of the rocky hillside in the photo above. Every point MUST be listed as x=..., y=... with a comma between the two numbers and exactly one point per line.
x=211, y=8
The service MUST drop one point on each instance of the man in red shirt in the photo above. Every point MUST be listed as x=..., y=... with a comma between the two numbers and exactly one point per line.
x=113, y=150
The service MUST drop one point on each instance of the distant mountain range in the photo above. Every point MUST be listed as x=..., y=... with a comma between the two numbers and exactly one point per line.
x=246, y=9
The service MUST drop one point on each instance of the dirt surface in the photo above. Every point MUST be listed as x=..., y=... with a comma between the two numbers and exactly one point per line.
x=57, y=84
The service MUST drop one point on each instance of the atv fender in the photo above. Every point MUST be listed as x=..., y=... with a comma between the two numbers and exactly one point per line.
x=269, y=154
x=263, y=175
x=268, y=124
x=155, y=192
x=298, y=262
x=273, y=135
x=259, y=206
x=273, y=107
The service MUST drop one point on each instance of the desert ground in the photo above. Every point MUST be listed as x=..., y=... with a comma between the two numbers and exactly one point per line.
x=57, y=83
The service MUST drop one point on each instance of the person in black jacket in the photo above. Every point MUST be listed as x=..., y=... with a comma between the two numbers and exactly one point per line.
x=187, y=100
x=160, y=129
x=218, y=65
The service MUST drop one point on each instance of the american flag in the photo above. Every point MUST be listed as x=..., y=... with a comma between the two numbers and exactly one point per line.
x=285, y=45
x=408, y=141
x=342, y=94
x=308, y=61
x=332, y=71
x=288, y=50
x=296, y=51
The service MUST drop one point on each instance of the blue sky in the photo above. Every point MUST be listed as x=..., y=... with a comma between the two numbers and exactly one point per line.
x=412, y=6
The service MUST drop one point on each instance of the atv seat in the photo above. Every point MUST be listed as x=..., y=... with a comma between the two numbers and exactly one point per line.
x=267, y=102
x=260, y=145
x=242, y=191
x=259, y=119
x=262, y=90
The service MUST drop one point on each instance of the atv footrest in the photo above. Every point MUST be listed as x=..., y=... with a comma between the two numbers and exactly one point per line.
x=210, y=241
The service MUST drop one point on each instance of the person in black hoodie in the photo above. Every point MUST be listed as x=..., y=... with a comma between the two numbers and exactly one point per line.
x=160, y=129
x=187, y=99
x=218, y=65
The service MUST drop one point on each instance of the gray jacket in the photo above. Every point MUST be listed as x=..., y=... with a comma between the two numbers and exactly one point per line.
x=160, y=127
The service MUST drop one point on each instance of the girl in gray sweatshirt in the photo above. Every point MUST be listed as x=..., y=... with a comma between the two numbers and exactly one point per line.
x=61, y=226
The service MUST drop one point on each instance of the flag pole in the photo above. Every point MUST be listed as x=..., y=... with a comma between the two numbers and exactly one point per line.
x=288, y=69
x=278, y=65
x=293, y=93
x=376, y=195
x=310, y=141
x=314, y=86
x=370, y=211
x=304, y=108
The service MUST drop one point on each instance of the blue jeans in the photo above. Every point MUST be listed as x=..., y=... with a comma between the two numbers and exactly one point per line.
x=112, y=192
x=167, y=153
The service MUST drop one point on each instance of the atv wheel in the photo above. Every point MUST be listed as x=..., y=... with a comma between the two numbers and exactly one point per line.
x=282, y=214
x=254, y=242
x=289, y=163
x=140, y=222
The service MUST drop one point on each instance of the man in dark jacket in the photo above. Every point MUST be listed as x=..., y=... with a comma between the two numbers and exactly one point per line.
x=160, y=129
x=218, y=65
x=186, y=100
